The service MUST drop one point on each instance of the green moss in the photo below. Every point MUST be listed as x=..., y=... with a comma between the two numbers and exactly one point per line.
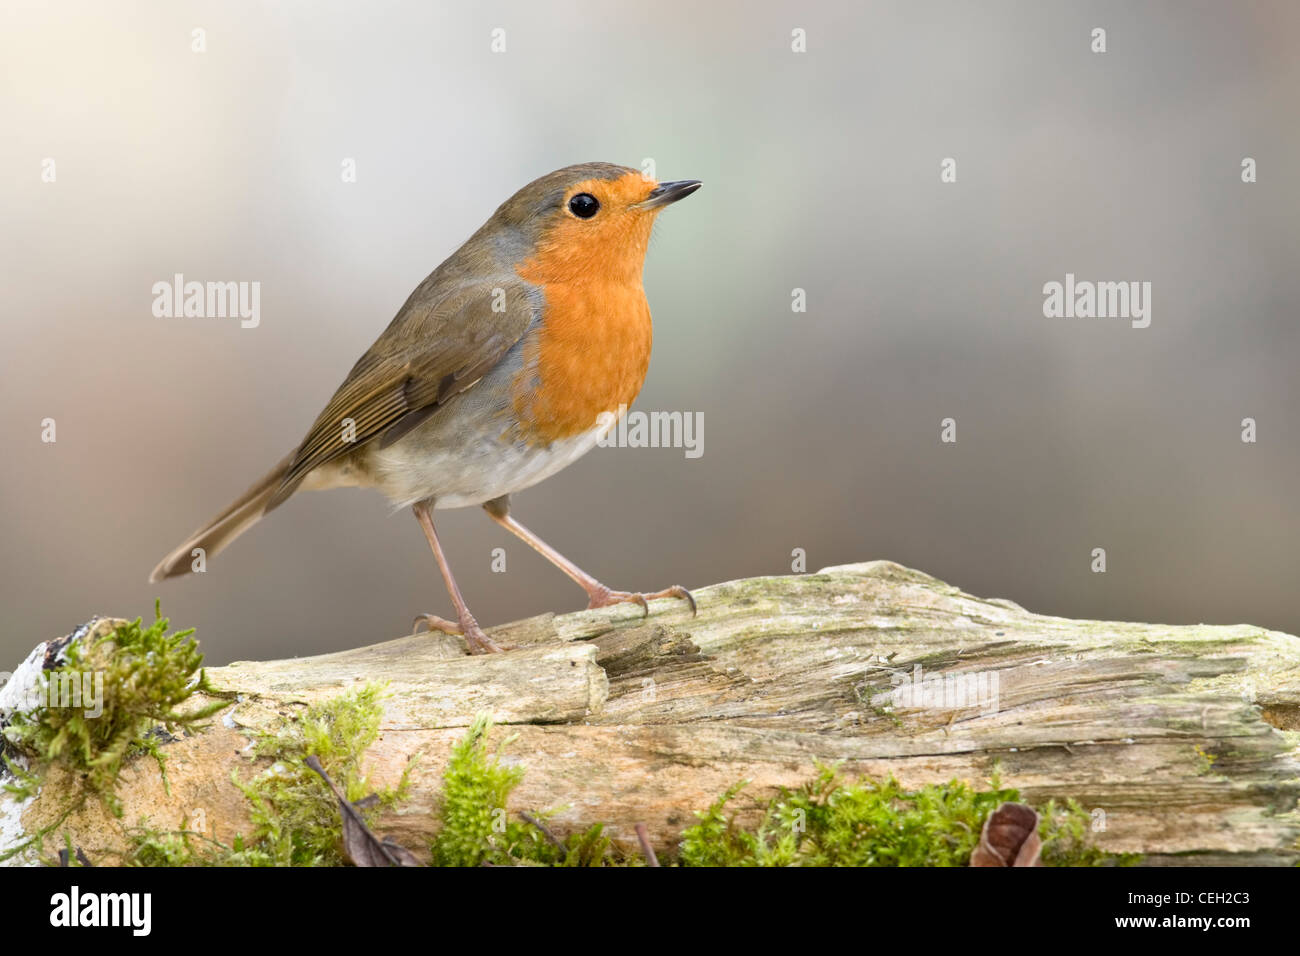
x=295, y=816
x=150, y=847
x=142, y=677
x=476, y=828
x=828, y=822
x=23, y=783
x=1065, y=829
x=473, y=808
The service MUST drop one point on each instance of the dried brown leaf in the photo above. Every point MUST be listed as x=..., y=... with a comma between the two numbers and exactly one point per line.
x=1009, y=838
x=360, y=845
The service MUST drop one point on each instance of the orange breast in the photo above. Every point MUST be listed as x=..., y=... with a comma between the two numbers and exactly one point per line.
x=589, y=356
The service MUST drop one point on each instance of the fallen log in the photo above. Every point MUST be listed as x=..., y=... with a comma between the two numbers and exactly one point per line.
x=1178, y=739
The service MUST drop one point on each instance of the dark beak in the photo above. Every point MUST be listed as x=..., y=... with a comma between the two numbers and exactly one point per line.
x=667, y=193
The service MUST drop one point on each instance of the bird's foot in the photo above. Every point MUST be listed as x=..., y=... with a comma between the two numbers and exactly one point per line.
x=479, y=643
x=602, y=596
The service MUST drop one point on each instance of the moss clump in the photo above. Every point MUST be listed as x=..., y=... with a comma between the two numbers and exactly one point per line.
x=141, y=677
x=295, y=816
x=827, y=822
x=476, y=829
x=150, y=847
x=473, y=809
x=589, y=848
x=1065, y=829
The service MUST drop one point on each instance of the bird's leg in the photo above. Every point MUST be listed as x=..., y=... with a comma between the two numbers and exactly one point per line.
x=479, y=643
x=598, y=594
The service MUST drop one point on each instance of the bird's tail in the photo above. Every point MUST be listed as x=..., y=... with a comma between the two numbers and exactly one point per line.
x=225, y=527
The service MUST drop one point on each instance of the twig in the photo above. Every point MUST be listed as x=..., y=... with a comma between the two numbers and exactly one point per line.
x=546, y=831
x=646, y=849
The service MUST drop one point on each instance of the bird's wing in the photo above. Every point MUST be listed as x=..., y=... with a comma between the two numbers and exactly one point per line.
x=430, y=352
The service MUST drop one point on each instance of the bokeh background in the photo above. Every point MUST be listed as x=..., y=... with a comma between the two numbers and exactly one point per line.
x=821, y=172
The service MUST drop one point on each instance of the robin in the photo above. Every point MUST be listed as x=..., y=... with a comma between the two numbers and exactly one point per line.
x=505, y=365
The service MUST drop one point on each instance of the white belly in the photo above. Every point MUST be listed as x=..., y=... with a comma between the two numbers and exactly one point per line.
x=477, y=471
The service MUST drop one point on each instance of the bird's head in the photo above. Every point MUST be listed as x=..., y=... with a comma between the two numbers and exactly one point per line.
x=588, y=221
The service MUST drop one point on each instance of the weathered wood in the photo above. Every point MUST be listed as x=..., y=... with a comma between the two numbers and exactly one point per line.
x=1180, y=738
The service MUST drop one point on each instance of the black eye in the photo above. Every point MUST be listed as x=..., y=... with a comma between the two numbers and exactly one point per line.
x=584, y=205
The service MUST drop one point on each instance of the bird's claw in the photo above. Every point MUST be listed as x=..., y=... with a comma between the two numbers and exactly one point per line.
x=604, y=597
x=479, y=643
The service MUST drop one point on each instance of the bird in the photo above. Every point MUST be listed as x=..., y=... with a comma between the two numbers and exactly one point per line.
x=507, y=363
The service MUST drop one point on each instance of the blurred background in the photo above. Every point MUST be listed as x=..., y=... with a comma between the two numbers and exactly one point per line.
x=821, y=171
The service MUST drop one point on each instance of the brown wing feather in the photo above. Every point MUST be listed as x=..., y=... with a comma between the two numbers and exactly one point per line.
x=425, y=356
